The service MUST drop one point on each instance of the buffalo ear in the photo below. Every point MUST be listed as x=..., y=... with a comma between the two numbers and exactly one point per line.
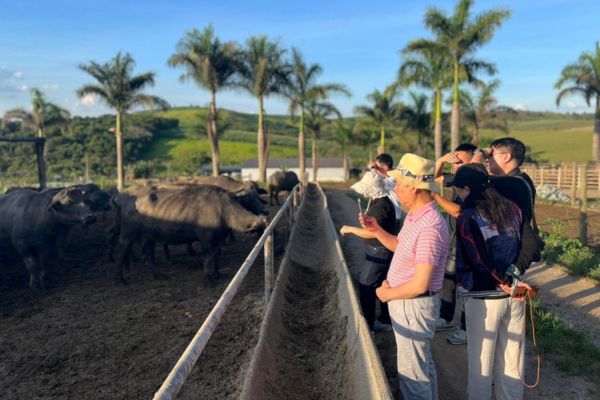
x=54, y=206
x=74, y=195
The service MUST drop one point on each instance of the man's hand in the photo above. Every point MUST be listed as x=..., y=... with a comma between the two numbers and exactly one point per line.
x=368, y=222
x=450, y=158
x=382, y=290
x=344, y=230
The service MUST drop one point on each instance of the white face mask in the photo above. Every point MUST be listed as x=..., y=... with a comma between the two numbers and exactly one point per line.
x=371, y=185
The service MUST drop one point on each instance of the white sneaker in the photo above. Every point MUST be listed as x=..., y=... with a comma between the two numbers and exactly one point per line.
x=458, y=337
x=442, y=325
x=380, y=327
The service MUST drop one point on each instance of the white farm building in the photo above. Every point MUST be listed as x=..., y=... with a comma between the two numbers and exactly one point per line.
x=330, y=169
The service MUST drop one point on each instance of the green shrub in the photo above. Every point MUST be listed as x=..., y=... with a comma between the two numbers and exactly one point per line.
x=579, y=260
x=595, y=272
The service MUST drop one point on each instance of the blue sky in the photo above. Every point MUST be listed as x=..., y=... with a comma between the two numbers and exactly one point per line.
x=42, y=42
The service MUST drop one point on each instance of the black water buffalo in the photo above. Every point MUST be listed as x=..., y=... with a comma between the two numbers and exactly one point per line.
x=202, y=213
x=31, y=221
x=279, y=181
x=248, y=192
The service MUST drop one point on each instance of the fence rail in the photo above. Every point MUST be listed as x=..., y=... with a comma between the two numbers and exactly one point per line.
x=566, y=176
x=186, y=362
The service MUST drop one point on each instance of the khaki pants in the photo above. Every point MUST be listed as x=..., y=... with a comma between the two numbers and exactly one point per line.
x=414, y=325
x=496, y=348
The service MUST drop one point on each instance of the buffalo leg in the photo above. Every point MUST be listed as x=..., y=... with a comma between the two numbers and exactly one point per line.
x=166, y=252
x=34, y=271
x=148, y=249
x=190, y=249
x=123, y=253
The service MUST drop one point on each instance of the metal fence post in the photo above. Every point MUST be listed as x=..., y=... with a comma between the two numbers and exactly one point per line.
x=269, y=268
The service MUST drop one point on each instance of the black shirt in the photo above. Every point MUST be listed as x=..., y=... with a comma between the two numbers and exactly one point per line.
x=382, y=209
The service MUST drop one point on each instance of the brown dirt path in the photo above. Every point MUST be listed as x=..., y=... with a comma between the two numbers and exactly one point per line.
x=451, y=361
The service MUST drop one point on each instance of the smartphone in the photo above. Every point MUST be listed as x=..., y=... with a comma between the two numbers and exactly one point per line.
x=520, y=291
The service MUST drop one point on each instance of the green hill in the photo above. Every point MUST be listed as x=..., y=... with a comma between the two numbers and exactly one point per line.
x=551, y=137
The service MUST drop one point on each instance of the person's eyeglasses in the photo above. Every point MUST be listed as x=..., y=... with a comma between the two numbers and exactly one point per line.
x=492, y=153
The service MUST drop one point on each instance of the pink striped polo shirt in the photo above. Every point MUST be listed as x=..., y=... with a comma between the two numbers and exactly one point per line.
x=424, y=239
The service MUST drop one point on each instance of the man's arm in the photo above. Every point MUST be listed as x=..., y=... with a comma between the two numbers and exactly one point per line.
x=418, y=285
x=360, y=232
x=449, y=206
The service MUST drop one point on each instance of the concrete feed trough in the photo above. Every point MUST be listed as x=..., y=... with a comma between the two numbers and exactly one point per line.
x=314, y=342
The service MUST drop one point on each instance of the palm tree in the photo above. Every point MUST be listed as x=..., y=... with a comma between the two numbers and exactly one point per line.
x=120, y=90
x=301, y=89
x=264, y=73
x=484, y=112
x=384, y=113
x=342, y=136
x=43, y=115
x=366, y=134
x=583, y=78
x=212, y=65
x=428, y=68
x=417, y=118
x=318, y=114
x=460, y=35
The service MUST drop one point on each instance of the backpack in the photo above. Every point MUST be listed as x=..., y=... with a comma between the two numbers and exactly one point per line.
x=531, y=232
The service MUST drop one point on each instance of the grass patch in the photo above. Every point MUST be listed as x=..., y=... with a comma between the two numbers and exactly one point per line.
x=570, y=350
x=579, y=260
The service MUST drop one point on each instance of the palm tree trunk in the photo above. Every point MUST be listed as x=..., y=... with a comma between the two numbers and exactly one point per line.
x=475, y=138
x=381, y=147
x=43, y=162
x=262, y=167
x=345, y=158
x=40, y=145
x=119, y=139
x=596, y=137
x=315, y=162
x=437, y=133
x=213, y=135
x=301, y=156
x=455, y=123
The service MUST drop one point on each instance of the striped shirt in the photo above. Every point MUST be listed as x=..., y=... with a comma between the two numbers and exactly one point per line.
x=424, y=239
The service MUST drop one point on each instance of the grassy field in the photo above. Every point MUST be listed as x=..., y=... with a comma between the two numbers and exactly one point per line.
x=552, y=140
x=550, y=137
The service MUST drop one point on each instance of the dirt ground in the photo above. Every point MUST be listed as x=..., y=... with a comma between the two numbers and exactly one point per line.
x=570, y=216
x=88, y=338
x=451, y=361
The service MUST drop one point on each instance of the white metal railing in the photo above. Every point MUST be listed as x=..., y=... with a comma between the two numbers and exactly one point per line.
x=186, y=362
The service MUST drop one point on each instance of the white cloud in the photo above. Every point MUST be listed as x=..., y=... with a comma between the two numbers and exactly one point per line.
x=24, y=88
x=18, y=75
x=88, y=100
x=519, y=107
x=53, y=86
x=571, y=104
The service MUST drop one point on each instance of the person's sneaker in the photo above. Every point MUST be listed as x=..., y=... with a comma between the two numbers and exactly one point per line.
x=380, y=327
x=458, y=337
x=442, y=325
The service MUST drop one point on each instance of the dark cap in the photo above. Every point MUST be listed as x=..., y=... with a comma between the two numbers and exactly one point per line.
x=472, y=175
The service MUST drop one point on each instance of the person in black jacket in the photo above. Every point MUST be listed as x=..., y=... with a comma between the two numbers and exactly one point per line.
x=377, y=257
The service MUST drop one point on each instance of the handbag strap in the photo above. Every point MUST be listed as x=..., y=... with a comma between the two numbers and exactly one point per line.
x=534, y=224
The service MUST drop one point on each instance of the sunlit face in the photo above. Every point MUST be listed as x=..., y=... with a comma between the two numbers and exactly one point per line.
x=405, y=192
x=462, y=193
x=497, y=159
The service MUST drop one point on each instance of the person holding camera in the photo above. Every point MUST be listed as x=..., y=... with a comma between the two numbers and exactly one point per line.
x=377, y=257
x=488, y=236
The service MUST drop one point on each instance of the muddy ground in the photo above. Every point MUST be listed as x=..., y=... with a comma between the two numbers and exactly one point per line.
x=88, y=338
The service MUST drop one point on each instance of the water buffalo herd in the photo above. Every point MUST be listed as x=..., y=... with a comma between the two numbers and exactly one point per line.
x=206, y=210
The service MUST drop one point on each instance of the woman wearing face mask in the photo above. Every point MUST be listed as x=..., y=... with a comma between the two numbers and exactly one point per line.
x=488, y=234
x=377, y=257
